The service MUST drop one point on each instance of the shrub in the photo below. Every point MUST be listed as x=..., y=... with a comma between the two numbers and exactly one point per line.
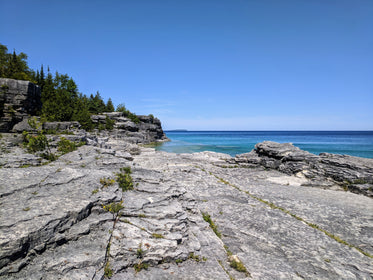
x=133, y=117
x=124, y=179
x=109, y=125
x=106, y=182
x=34, y=143
x=114, y=207
x=66, y=146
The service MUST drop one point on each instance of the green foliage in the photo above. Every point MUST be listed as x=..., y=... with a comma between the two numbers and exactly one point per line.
x=157, y=235
x=96, y=104
x=109, y=106
x=196, y=258
x=214, y=227
x=140, y=252
x=65, y=146
x=236, y=263
x=34, y=143
x=109, y=123
x=140, y=266
x=108, y=272
x=95, y=191
x=114, y=207
x=106, y=182
x=127, y=113
x=124, y=179
x=14, y=66
x=61, y=100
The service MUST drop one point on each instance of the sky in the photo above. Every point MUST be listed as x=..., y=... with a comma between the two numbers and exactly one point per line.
x=209, y=64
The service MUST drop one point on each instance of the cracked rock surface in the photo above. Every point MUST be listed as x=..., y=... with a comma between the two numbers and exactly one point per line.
x=190, y=216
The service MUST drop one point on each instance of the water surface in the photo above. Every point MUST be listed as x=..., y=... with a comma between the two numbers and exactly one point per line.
x=354, y=143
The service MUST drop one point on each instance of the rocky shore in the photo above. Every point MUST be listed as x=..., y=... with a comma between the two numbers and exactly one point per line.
x=102, y=205
x=116, y=209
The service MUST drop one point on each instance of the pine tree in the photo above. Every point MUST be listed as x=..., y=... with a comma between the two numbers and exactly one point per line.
x=109, y=106
x=41, y=81
x=4, y=59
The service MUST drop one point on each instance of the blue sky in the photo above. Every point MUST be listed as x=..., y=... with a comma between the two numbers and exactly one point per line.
x=209, y=64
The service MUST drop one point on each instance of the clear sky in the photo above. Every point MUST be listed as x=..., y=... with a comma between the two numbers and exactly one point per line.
x=209, y=64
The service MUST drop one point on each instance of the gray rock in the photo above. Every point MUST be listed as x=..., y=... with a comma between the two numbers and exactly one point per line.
x=53, y=224
x=61, y=126
x=22, y=126
x=18, y=99
x=326, y=170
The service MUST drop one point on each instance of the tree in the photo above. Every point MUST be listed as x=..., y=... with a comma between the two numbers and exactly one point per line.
x=4, y=58
x=14, y=66
x=96, y=104
x=110, y=106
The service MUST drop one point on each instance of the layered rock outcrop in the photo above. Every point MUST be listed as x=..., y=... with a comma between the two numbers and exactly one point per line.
x=147, y=130
x=189, y=216
x=325, y=170
x=18, y=99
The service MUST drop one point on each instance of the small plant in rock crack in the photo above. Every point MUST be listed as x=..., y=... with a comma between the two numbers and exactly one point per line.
x=213, y=226
x=236, y=263
x=139, y=266
x=114, y=208
x=157, y=235
x=124, y=179
x=108, y=272
x=196, y=257
x=106, y=182
x=140, y=252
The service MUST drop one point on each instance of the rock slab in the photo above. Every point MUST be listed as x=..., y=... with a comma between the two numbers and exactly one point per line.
x=54, y=222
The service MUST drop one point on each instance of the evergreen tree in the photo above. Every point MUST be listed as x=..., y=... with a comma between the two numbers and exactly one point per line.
x=96, y=104
x=41, y=81
x=14, y=66
x=48, y=98
x=110, y=106
x=4, y=58
x=81, y=113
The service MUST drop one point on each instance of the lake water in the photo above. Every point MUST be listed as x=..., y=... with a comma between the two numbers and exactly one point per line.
x=354, y=143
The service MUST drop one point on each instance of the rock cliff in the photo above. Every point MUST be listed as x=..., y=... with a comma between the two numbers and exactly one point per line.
x=188, y=216
x=18, y=99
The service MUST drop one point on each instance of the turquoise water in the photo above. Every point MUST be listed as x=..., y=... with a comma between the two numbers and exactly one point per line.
x=354, y=143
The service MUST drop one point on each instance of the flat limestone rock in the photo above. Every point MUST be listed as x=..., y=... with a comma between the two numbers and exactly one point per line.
x=189, y=216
